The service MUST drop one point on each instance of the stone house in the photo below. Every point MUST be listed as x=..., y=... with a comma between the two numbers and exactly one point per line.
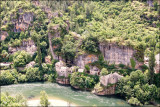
x=94, y=70
x=62, y=70
x=110, y=79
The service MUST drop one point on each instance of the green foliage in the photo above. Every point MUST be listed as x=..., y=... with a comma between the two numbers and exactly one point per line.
x=4, y=56
x=44, y=99
x=134, y=101
x=103, y=72
x=137, y=85
x=151, y=65
x=9, y=101
x=6, y=78
x=33, y=74
x=133, y=63
x=21, y=78
x=90, y=44
x=69, y=50
x=83, y=81
x=21, y=58
x=87, y=68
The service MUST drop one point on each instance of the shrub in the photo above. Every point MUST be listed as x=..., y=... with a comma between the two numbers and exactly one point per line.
x=87, y=68
x=21, y=58
x=44, y=99
x=133, y=63
x=9, y=101
x=33, y=74
x=103, y=72
x=134, y=101
x=21, y=78
x=6, y=78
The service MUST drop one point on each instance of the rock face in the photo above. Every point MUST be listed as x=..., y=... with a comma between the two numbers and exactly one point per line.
x=3, y=35
x=31, y=64
x=157, y=67
x=48, y=59
x=157, y=62
x=27, y=45
x=117, y=54
x=84, y=59
x=23, y=21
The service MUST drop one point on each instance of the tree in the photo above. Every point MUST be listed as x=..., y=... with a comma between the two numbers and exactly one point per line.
x=152, y=65
x=21, y=58
x=133, y=63
x=44, y=99
x=87, y=68
x=103, y=72
x=69, y=50
x=36, y=37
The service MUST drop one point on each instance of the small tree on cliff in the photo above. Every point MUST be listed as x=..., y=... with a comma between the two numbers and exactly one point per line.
x=152, y=65
x=36, y=38
x=44, y=99
x=133, y=63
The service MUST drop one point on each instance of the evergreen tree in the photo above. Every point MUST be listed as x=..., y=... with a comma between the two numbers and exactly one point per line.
x=152, y=65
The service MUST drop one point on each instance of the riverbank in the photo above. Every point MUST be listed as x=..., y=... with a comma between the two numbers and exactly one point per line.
x=53, y=102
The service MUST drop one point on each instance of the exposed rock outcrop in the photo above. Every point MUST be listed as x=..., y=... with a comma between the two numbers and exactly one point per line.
x=3, y=35
x=84, y=59
x=27, y=45
x=31, y=64
x=115, y=54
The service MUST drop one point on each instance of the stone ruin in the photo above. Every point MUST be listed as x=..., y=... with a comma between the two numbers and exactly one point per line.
x=62, y=70
x=110, y=79
x=108, y=83
x=27, y=45
x=94, y=70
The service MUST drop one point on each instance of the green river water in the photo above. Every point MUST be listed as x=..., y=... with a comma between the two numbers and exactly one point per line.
x=81, y=98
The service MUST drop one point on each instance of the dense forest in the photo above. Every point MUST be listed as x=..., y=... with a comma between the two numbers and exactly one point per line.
x=75, y=28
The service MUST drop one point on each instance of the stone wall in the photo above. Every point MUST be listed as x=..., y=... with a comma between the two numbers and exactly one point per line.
x=106, y=91
x=116, y=54
x=84, y=59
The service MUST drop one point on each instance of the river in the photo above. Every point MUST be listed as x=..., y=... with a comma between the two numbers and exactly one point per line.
x=66, y=93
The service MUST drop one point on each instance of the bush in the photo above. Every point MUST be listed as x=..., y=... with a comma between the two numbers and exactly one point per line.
x=33, y=74
x=9, y=101
x=44, y=99
x=6, y=78
x=103, y=72
x=21, y=78
x=21, y=58
x=133, y=63
x=134, y=101
x=87, y=68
